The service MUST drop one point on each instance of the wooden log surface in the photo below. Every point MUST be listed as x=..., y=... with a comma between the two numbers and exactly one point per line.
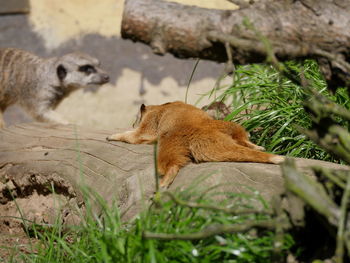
x=14, y=7
x=45, y=167
x=295, y=29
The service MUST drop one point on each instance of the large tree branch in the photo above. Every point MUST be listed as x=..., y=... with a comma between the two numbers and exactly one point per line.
x=295, y=29
x=44, y=158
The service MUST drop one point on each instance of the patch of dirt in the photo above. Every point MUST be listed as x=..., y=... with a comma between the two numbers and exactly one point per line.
x=13, y=240
x=27, y=199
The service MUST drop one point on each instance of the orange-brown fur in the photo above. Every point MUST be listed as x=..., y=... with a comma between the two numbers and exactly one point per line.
x=185, y=132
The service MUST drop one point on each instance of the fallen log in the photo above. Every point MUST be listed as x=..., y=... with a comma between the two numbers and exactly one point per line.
x=46, y=168
x=290, y=29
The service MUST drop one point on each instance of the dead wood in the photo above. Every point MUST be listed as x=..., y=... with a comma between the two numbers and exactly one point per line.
x=14, y=7
x=294, y=29
x=41, y=162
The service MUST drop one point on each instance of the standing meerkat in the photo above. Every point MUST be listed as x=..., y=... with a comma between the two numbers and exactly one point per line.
x=39, y=84
x=185, y=132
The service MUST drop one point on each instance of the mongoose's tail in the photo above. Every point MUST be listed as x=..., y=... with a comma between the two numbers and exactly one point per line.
x=225, y=149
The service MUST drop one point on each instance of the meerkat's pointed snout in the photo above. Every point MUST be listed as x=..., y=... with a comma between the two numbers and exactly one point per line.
x=104, y=78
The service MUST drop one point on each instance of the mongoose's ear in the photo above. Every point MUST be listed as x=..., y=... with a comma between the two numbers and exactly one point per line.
x=143, y=107
x=61, y=72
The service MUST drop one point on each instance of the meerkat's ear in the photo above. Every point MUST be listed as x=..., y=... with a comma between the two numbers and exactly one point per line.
x=61, y=72
x=143, y=107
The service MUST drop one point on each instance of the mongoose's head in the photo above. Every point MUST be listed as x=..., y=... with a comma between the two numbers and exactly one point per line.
x=76, y=70
x=139, y=115
x=150, y=110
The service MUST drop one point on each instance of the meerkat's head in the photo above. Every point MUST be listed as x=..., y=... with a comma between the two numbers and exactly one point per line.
x=76, y=70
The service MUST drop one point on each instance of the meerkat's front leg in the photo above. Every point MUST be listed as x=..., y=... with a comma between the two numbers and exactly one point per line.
x=52, y=116
x=2, y=123
x=42, y=111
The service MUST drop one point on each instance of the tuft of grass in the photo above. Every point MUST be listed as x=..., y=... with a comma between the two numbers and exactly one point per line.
x=271, y=107
x=108, y=239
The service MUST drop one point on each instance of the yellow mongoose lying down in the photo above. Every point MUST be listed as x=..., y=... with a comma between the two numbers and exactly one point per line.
x=186, y=133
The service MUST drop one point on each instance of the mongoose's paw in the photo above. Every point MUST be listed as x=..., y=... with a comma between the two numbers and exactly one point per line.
x=164, y=184
x=277, y=159
x=112, y=137
x=116, y=137
x=254, y=146
x=260, y=148
x=169, y=177
x=62, y=122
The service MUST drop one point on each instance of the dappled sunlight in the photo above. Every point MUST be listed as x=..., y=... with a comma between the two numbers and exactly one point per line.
x=59, y=21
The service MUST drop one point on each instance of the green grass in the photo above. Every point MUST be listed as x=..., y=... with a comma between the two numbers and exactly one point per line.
x=110, y=240
x=270, y=107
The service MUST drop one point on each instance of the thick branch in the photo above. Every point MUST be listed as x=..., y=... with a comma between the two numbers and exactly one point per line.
x=295, y=29
x=310, y=191
x=339, y=253
x=40, y=158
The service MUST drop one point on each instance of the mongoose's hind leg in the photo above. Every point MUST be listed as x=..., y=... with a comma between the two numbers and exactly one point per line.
x=238, y=133
x=134, y=137
x=251, y=145
x=172, y=155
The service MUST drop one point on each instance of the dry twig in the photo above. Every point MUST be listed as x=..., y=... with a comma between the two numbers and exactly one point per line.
x=231, y=211
x=213, y=230
x=339, y=252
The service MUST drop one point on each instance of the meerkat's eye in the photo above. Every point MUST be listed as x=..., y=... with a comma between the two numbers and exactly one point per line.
x=88, y=69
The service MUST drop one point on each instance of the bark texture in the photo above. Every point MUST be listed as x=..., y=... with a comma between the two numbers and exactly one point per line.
x=290, y=29
x=47, y=167
x=14, y=7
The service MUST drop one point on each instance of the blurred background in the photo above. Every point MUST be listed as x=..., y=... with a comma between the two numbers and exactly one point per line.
x=55, y=27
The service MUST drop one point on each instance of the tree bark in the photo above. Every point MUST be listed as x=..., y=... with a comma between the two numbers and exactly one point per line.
x=42, y=161
x=290, y=29
x=14, y=7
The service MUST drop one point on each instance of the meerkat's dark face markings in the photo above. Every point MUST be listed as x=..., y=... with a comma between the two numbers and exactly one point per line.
x=61, y=72
x=78, y=70
x=87, y=69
